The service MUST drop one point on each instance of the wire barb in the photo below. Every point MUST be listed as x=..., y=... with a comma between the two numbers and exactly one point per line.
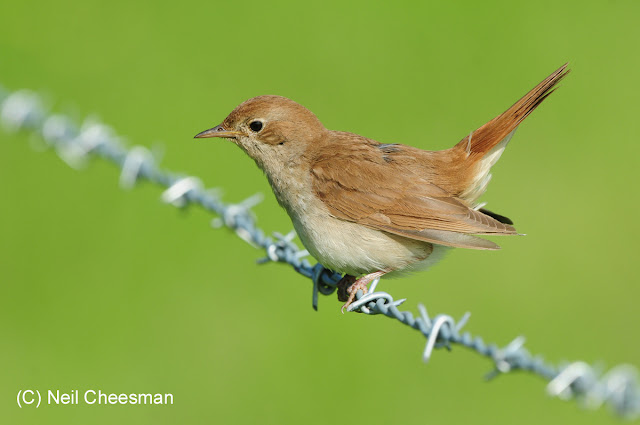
x=176, y=193
x=135, y=158
x=22, y=110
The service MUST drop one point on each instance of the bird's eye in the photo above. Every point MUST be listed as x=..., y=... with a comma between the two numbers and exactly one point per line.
x=255, y=126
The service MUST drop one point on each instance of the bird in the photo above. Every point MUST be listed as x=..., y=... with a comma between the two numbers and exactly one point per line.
x=368, y=209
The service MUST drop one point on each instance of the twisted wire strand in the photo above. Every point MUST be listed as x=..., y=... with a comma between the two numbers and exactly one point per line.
x=23, y=110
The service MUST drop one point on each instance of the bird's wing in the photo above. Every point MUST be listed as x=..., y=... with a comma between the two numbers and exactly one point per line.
x=370, y=190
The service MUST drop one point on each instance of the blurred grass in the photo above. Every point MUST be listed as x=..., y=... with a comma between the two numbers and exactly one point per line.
x=106, y=289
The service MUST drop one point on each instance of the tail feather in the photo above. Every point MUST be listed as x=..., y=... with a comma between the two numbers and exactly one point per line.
x=483, y=147
x=485, y=138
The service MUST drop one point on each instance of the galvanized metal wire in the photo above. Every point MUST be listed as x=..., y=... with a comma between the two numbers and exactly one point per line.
x=24, y=111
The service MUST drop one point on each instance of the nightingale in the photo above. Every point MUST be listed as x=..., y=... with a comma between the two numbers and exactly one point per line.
x=368, y=209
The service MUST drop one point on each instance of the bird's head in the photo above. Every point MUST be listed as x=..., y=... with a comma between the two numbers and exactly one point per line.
x=273, y=130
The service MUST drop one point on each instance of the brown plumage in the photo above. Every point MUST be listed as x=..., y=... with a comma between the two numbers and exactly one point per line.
x=362, y=207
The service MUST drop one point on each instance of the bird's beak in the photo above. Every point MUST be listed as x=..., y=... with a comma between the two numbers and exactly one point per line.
x=218, y=131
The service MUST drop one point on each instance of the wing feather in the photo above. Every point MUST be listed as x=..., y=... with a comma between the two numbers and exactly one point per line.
x=369, y=190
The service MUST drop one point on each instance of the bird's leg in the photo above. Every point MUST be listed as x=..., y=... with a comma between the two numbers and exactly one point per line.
x=343, y=287
x=360, y=284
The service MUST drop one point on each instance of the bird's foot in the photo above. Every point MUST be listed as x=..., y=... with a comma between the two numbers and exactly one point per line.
x=361, y=283
x=353, y=290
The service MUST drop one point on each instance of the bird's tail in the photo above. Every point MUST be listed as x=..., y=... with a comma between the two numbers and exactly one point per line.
x=483, y=147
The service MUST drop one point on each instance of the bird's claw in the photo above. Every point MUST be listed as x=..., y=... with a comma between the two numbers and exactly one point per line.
x=352, y=291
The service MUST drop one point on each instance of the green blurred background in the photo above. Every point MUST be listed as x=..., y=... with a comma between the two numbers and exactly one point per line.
x=113, y=290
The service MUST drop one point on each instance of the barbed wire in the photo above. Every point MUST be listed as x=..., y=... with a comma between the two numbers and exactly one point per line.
x=23, y=110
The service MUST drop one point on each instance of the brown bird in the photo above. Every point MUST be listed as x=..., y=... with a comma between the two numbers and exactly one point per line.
x=369, y=209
